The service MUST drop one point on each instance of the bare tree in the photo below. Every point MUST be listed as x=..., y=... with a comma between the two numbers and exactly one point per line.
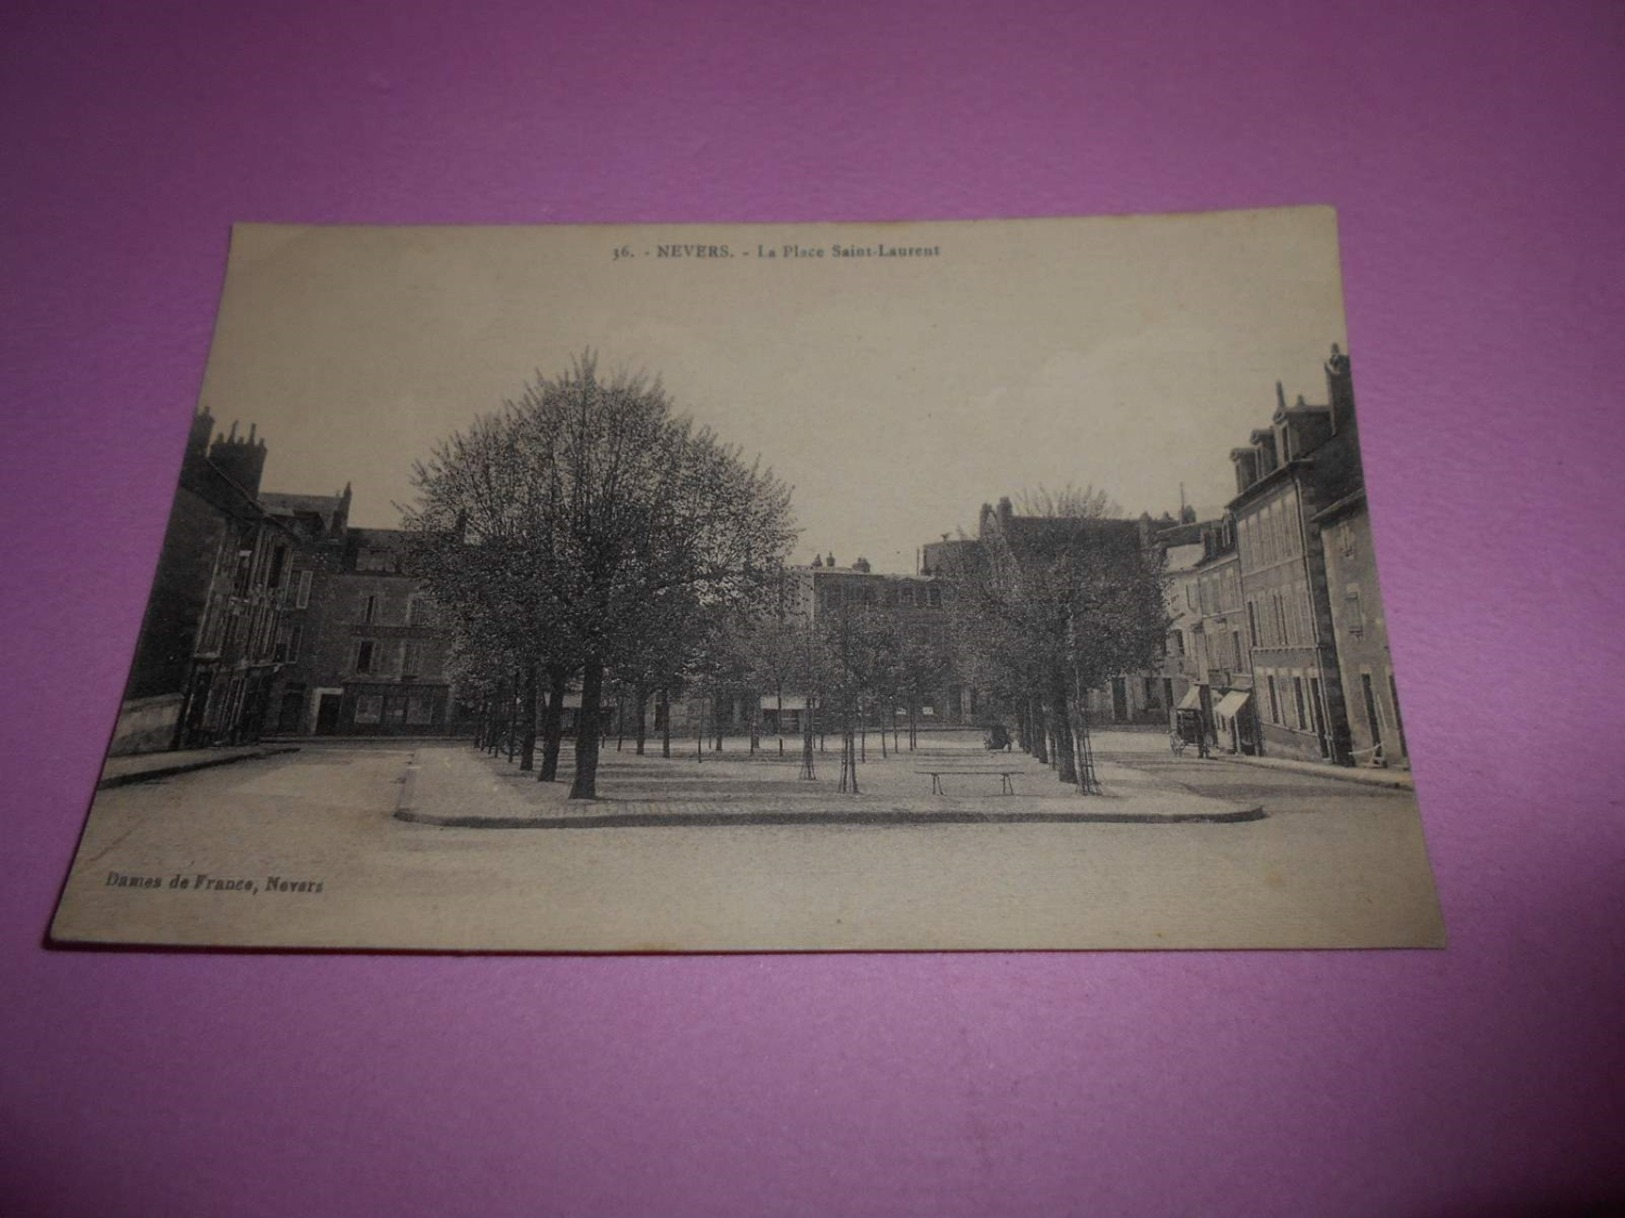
x=598, y=509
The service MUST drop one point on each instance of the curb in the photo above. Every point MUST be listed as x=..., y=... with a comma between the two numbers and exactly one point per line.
x=878, y=817
x=124, y=780
x=1366, y=778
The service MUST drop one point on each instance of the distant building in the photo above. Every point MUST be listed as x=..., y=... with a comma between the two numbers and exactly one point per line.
x=1302, y=464
x=361, y=649
x=918, y=605
x=1223, y=653
x=205, y=657
x=1180, y=674
x=1008, y=538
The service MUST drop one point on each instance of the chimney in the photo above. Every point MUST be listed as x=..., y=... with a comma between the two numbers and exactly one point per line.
x=241, y=460
x=1005, y=510
x=197, y=444
x=1280, y=396
x=1340, y=389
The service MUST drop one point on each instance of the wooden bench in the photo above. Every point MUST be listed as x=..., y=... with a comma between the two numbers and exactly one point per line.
x=1007, y=784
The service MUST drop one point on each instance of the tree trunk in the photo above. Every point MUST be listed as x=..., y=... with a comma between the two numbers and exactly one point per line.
x=1082, y=746
x=513, y=718
x=665, y=720
x=1063, y=728
x=849, y=753
x=527, y=713
x=553, y=722
x=585, y=785
x=640, y=696
x=1038, y=730
x=806, y=741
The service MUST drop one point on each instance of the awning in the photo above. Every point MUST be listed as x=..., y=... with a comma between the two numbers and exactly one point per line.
x=1192, y=699
x=1230, y=705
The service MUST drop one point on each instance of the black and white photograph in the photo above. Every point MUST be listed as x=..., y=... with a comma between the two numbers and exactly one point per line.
x=913, y=586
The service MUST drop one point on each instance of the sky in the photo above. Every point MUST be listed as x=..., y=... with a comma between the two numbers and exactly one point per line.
x=896, y=395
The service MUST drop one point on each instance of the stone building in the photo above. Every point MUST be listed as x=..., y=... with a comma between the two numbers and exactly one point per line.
x=1008, y=538
x=361, y=650
x=917, y=608
x=1178, y=675
x=1360, y=630
x=1223, y=655
x=1304, y=462
x=204, y=659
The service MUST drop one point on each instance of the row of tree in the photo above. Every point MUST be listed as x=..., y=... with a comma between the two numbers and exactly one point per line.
x=1047, y=612
x=587, y=538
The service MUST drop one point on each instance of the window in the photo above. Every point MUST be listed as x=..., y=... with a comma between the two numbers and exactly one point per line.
x=369, y=708
x=301, y=599
x=1297, y=698
x=1275, y=701
x=1399, y=722
x=1252, y=622
x=1235, y=640
x=233, y=621
x=363, y=657
x=1354, y=611
x=411, y=657
x=369, y=610
x=935, y=595
x=287, y=644
x=278, y=557
x=419, y=711
x=1178, y=638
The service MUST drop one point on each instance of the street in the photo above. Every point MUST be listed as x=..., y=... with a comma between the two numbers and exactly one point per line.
x=305, y=850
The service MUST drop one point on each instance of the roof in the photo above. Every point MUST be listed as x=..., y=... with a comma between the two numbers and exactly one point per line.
x=1042, y=531
x=1183, y=534
x=279, y=504
x=1351, y=502
x=382, y=538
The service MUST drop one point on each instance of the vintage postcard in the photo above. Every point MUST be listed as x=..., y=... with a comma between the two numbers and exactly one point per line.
x=989, y=585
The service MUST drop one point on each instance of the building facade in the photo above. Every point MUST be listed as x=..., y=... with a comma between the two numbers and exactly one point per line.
x=362, y=650
x=204, y=659
x=916, y=611
x=1304, y=462
x=1178, y=674
x=1223, y=648
x=1360, y=628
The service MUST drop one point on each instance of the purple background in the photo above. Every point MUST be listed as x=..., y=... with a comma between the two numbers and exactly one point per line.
x=1477, y=155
